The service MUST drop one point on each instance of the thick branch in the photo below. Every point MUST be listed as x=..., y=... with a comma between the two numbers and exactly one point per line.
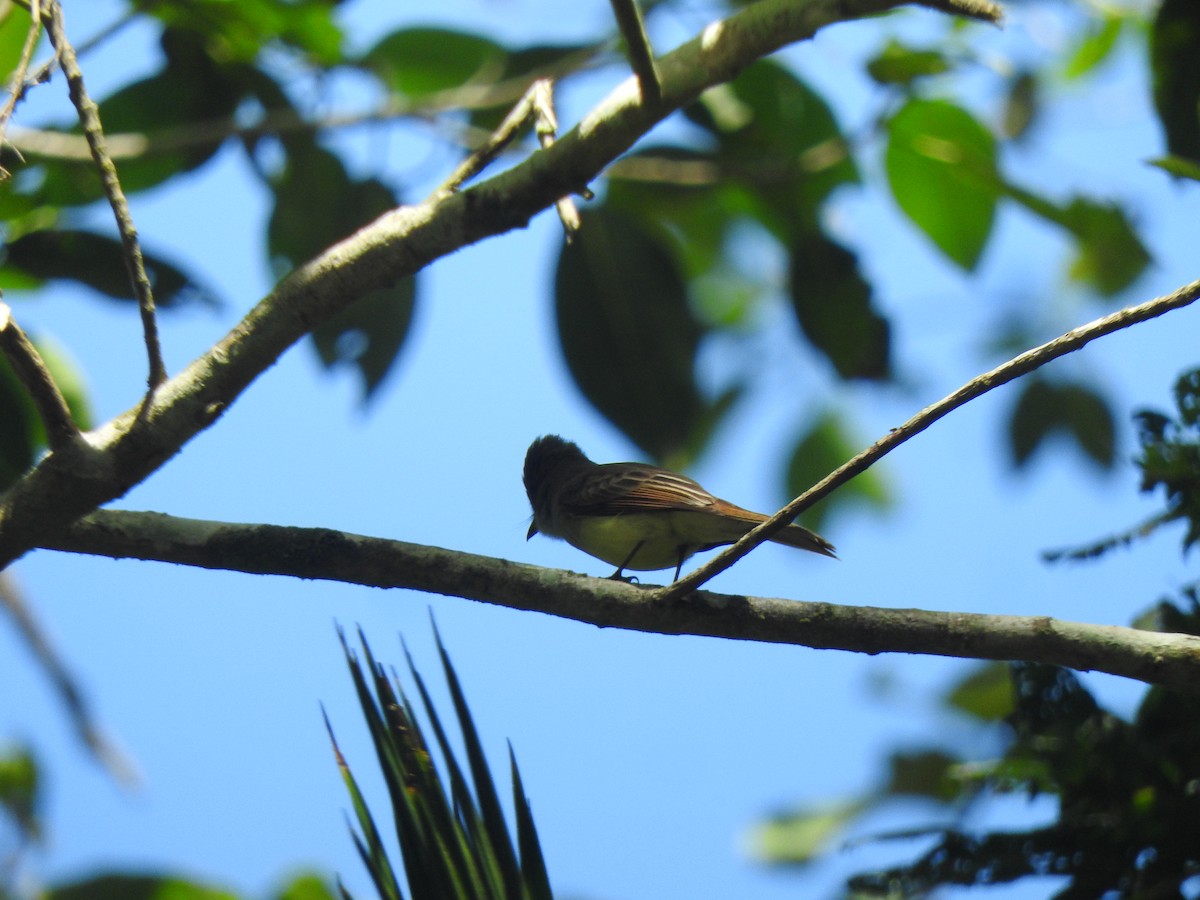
x=126, y=450
x=322, y=553
x=1020, y=365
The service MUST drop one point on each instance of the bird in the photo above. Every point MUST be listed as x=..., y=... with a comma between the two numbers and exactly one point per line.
x=634, y=515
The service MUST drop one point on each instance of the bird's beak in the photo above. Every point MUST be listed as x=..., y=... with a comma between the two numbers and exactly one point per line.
x=533, y=529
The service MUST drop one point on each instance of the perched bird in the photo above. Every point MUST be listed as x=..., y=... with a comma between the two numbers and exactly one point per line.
x=633, y=515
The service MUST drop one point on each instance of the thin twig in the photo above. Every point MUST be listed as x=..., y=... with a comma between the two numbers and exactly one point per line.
x=1112, y=541
x=1013, y=369
x=641, y=55
x=89, y=118
x=31, y=370
x=537, y=103
x=17, y=86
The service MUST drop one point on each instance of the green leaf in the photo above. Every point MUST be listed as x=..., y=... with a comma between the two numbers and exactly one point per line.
x=306, y=887
x=20, y=791
x=628, y=333
x=941, y=165
x=986, y=693
x=242, y=31
x=14, y=29
x=1174, y=49
x=20, y=436
x=1045, y=408
x=779, y=138
x=1095, y=47
x=418, y=62
x=1178, y=166
x=67, y=375
x=99, y=262
x=833, y=305
x=798, y=838
x=897, y=63
x=824, y=446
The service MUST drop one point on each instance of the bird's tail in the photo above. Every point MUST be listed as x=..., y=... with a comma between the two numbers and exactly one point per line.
x=793, y=535
x=801, y=537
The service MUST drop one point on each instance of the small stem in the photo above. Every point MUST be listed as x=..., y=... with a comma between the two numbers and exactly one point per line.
x=641, y=55
x=89, y=118
x=29, y=367
x=537, y=103
x=17, y=86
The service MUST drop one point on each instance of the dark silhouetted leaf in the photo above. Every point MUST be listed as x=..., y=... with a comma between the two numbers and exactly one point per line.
x=628, y=333
x=418, y=62
x=941, y=165
x=369, y=333
x=925, y=774
x=833, y=305
x=1035, y=416
x=1021, y=106
x=899, y=64
x=1110, y=254
x=98, y=262
x=1045, y=408
x=1174, y=49
x=1090, y=421
x=820, y=450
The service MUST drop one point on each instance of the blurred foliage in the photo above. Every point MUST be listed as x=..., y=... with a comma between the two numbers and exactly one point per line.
x=1170, y=460
x=1170, y=457
x=1126, y=802
x=452, y=832
x=129, y=886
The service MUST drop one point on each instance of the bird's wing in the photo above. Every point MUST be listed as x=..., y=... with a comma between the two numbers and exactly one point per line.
x=629, y=487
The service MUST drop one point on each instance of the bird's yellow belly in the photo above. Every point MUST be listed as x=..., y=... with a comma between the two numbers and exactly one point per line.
x=613, y=538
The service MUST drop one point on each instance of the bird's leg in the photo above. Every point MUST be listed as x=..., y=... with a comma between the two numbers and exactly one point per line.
x=679, y=566
x=617, y=576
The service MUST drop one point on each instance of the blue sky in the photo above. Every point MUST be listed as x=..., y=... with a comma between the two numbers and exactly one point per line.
x=646, y=758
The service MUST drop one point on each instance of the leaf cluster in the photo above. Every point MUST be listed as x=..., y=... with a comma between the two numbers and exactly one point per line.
x=1124, y=792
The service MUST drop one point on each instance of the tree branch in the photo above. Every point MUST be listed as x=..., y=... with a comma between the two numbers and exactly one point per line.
x=89, y=118
x=1021, y=365
x=322, y=553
